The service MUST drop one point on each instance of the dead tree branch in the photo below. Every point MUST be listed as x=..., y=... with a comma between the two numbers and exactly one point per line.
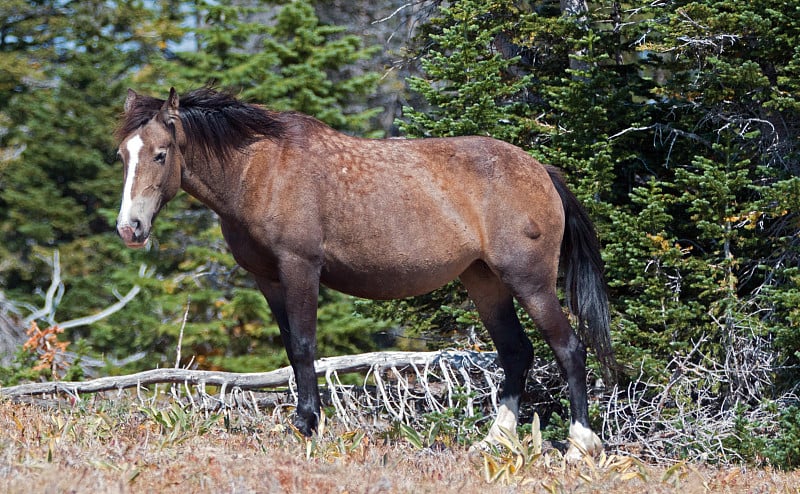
x=56, y=291
x=373, y=362
x=696, y=412
x=13, y=325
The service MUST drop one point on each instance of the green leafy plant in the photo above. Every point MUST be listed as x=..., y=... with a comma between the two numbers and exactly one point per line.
x=176, y=423
x=783, y=450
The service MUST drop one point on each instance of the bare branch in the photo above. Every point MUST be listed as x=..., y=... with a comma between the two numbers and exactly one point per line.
x=631, y=129
x=396, y=11
x=84, y=321
x=56, y=290
x=696, y=412
x=258, y=380
x=14, y=337
x=48, y=311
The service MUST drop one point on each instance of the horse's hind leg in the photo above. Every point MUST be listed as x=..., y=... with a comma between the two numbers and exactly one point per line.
x=495, y=305
x=542, y=304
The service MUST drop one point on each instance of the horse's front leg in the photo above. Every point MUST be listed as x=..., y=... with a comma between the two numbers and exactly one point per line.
x=293, y=301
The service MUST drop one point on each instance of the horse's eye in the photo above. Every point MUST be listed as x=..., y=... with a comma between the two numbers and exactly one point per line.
x=161, y=157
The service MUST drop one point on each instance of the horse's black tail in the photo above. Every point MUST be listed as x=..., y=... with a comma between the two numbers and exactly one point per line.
x=584, y=279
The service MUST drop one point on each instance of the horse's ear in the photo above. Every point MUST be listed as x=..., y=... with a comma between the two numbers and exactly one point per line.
x=170, y=108
x=172, y=101
x=130, y=99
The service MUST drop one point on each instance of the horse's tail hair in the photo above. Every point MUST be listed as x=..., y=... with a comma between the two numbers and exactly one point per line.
x=584, y=279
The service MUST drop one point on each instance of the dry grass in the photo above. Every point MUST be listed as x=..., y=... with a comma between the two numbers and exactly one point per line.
x=119, y=446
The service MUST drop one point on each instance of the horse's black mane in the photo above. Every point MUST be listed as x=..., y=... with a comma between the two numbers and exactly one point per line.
x=215, y=122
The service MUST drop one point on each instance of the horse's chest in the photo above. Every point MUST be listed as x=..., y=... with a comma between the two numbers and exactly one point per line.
x=248, y=252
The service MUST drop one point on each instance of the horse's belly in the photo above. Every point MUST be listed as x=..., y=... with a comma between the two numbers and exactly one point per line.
x=393, y=280
x=398, y=254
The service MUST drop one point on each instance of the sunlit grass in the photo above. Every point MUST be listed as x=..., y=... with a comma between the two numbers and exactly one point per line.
x=125, y=444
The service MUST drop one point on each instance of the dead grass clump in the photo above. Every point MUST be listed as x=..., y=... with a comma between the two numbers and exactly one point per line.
x=122, y=446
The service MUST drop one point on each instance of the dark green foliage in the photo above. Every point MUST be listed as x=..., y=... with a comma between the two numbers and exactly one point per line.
x=784, y=450
x=727, y=216
x=472, y=89
x=21, y=369
x=676, y=124
x=280, y=56
x=62, y=190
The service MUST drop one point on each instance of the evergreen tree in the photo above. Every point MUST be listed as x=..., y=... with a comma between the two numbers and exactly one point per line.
x=675, y=129
x=284, y=58
x=62, y=191
x=471, y=83
x=59, y=118
x=279, y=56
x=727, y=113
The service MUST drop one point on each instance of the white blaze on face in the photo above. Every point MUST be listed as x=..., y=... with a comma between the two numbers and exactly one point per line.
x=134, y=146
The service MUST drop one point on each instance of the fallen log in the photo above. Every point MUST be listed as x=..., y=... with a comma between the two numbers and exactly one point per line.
x=375, y=361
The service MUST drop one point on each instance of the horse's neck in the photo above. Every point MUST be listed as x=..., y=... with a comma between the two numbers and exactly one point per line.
x=211, y=182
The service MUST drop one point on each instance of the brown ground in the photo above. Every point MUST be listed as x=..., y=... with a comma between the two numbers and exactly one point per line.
x=123, y=449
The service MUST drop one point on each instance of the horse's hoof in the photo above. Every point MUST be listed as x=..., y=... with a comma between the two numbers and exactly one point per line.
x=590, y=445
x=576, y=455
x=305, y=425
x=573, y=455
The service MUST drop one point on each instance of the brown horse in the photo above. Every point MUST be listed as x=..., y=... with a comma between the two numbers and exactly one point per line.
x=301, y=204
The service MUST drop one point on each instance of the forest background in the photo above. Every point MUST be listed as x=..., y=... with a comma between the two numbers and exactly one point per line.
x=676, y=124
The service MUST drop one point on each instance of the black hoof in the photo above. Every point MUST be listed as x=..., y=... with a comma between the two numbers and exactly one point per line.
x=306, y=425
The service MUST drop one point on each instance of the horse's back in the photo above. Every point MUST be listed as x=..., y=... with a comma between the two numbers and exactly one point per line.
x=400, y=217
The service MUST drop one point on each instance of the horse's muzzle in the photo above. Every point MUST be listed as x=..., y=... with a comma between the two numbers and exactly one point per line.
x=133, y=234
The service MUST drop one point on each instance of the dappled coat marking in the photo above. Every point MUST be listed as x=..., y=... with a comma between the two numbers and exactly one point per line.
x=301, y=204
